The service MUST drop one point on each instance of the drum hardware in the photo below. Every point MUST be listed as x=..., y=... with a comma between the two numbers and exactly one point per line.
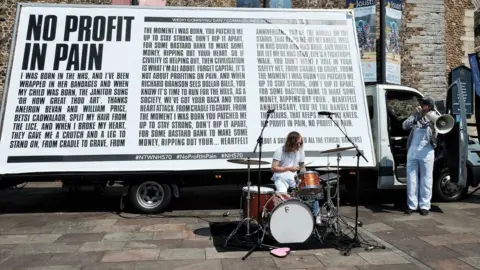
x=247, y=218
x=259, y=144
x=355, y=242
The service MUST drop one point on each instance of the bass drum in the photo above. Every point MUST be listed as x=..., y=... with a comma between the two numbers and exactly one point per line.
x=288, y=220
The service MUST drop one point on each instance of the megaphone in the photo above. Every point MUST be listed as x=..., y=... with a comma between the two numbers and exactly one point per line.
x=442, y=123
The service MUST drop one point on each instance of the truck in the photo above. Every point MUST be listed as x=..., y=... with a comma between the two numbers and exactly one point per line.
x=388, y=106
x=157, y=99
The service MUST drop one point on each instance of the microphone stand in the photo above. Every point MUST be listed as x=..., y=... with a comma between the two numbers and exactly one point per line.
x=259, y=215
x=355, y=242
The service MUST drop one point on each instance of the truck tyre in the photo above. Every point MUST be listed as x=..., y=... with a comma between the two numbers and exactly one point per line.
x=446, y=191
x=150, y=197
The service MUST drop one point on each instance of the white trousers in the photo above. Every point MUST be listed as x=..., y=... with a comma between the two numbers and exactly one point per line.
x=419, y=189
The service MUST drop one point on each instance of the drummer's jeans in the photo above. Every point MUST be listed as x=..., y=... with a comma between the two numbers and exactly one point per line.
x=282, y=186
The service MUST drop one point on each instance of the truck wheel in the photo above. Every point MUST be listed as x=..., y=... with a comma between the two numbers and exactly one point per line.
x=150, y=197
x=445, y=190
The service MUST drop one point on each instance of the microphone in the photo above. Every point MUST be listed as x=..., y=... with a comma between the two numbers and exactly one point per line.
x=271, y=111
x=326, y=113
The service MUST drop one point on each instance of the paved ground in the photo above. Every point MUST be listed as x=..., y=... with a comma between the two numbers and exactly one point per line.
x=50, y=229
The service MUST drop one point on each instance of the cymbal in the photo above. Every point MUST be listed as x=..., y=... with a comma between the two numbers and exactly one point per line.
x=338, y=149
x=326, y=168
x=247, y=161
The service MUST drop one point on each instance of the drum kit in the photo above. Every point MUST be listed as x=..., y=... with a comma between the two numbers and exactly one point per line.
x=288, y=218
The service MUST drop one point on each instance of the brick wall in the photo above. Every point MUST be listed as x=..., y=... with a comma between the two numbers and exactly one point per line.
x=427, y=52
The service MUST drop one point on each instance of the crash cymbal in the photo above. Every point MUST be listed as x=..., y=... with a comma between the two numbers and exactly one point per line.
x=247, y=161
x=326, y=168
x=338, y=149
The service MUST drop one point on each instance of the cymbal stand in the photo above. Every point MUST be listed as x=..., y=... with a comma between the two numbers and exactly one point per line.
x=339, y=157
x=247, y=219
x=355, y=242
x=259, y=144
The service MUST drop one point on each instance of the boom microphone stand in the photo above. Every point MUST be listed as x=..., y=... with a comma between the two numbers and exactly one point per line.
x=355, y=242
x=259, y=145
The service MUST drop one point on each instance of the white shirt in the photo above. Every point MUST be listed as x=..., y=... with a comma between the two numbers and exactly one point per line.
x=288, y=159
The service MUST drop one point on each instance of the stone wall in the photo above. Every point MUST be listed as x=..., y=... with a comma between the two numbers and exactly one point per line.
x=458, y=44
x=423, y=58
x=427, y=52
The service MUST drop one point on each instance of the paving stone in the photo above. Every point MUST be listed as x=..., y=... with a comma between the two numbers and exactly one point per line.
x=292, y=261
x=79, y=238
x=115, y=228
x=249, y=263
x=473, y=261
x=458, y=229
x=379, y=258
x=451, y=239
x=183, y=220
x=164, y=227
x=180, y=265
x=470, y=249
x=109, y=266
x=213, y=253
x=405, y=266
x=100, y=222
x=173, y=235
x=450, y=264
x=410, y=244
x=45, y=248
x=422, y=223
x=102, y=246
x=398, y=234
x=141, y=221
x=131, y=255
x=53, y=267
x=128, y=236
x=26, y=260
x=329, y=258
x=28, y=239
x=433, y=253
x=77, y=258
x=196, y=243
x=26, y=230
x=377, y=227
x=182, y=254
x=161, y=244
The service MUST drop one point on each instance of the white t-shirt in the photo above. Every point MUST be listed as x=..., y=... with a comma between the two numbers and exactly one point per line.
x=288, y=159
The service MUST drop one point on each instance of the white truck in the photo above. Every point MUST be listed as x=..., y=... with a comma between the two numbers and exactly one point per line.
x=389, y=106
x=159, y=98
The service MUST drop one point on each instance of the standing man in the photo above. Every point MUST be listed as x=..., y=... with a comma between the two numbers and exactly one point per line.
x=287, y=160
x=421, y=145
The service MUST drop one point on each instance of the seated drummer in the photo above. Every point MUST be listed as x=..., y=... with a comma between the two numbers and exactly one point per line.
x=287, y=160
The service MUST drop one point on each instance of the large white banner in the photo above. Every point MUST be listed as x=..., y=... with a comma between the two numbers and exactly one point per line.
x=99, y=88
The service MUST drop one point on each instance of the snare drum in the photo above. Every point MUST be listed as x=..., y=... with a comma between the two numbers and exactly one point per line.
x=309, y=183
x=265, y=194
x=288, y=220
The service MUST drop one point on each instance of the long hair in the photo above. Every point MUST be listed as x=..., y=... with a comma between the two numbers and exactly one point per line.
x=291, y=141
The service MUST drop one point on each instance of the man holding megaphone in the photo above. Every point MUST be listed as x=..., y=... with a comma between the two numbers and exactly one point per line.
x=421, y=145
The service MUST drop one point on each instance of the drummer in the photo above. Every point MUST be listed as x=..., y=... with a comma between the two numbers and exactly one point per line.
x=287, y=160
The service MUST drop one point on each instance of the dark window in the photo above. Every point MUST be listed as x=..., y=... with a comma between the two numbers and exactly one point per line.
x=370, y=106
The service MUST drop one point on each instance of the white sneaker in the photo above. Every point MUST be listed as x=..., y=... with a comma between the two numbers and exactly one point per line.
x=318, y=220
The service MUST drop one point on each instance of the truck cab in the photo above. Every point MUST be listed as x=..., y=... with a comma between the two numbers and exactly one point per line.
x=388, y=107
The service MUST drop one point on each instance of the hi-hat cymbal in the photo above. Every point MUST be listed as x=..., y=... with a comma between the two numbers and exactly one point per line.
x=338, y=149
x=247, y=161
x=327, y=168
